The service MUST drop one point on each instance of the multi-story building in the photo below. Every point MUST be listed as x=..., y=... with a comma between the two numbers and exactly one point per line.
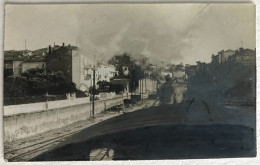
x=244, y=56
x=105, y=72
x=102, y=73
x=60, y=59
x=13, y=62
x=66, y=59
x=78, y=70
x=33, y=62
x=222, y=56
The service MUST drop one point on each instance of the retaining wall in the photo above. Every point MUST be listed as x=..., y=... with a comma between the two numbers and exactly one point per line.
x=25, y=120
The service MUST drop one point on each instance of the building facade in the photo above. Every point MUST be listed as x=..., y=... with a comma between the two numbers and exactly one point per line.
x=60, y=59
x=35, y=62
x=78, y=70
x=244, y=56
x=105, y=72
x=222, y=56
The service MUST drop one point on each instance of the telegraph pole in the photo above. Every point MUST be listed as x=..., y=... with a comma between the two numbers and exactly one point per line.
x=143, y=84
x=93, y=94
x=93, y=91
x=140, y=87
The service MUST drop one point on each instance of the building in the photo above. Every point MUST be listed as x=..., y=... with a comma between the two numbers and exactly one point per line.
x=72, y=63
x=18, y=66
x=88, y=73
x=201, y=67
x=244, y=56
x=222, y=56
x=165, y=73
x=78, y=70
x=102, y=73
x=105, y=72
x=33, y=62
x=148, y=85
x=190, y=70
x=13, y=62
x=60, y=59
x=179, y=74
x=8, y=63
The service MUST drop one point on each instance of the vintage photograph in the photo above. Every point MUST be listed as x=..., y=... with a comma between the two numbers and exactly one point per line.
x=122, y=81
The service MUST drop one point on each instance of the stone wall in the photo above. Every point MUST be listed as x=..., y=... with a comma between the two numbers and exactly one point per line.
x=25, y=120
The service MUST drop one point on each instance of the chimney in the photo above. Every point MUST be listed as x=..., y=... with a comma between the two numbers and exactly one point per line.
x=49, y=49
x=69, y=45
x=63, y=44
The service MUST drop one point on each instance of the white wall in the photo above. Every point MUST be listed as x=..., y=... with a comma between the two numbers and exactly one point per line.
x=30, y=65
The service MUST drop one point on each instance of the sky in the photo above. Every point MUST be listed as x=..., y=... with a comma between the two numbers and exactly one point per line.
x=171, y=32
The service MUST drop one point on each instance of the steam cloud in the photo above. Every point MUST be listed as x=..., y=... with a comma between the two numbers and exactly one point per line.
x=131, y=29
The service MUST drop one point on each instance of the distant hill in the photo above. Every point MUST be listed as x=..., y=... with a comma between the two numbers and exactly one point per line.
x=13, y=53
x=38, y=52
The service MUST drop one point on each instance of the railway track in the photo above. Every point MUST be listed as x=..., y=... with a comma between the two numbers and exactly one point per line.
x=27, y=152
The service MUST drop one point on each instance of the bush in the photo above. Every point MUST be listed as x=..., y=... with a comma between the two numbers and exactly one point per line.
x=80, y=94
x=15, y=87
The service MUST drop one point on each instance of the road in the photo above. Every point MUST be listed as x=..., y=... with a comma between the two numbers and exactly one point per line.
x=159, y=132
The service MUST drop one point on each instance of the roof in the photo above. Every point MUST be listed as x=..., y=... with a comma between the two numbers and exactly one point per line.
x=122, y=81
x=35, y=59
x=39, y=52
x=229, y=50
x=245, y=52
x=15, y=58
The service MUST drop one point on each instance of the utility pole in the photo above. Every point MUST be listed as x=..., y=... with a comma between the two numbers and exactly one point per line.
x=140, y=87
x=93, y=94
x=132, y=82
x=93, y=91
x=25, y=45
x=143, y=84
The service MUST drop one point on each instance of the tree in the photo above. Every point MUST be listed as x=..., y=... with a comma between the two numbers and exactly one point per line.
x=15, y=87
x=40, y=82
x=96, y=91
x=104, y=86
x=117, y=88
x=123, y=62
x=8, y=72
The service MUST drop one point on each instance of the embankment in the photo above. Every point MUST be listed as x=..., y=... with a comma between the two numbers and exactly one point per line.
x=25, y=120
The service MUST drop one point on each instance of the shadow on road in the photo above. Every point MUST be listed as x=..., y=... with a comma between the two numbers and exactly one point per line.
x=155, y=133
